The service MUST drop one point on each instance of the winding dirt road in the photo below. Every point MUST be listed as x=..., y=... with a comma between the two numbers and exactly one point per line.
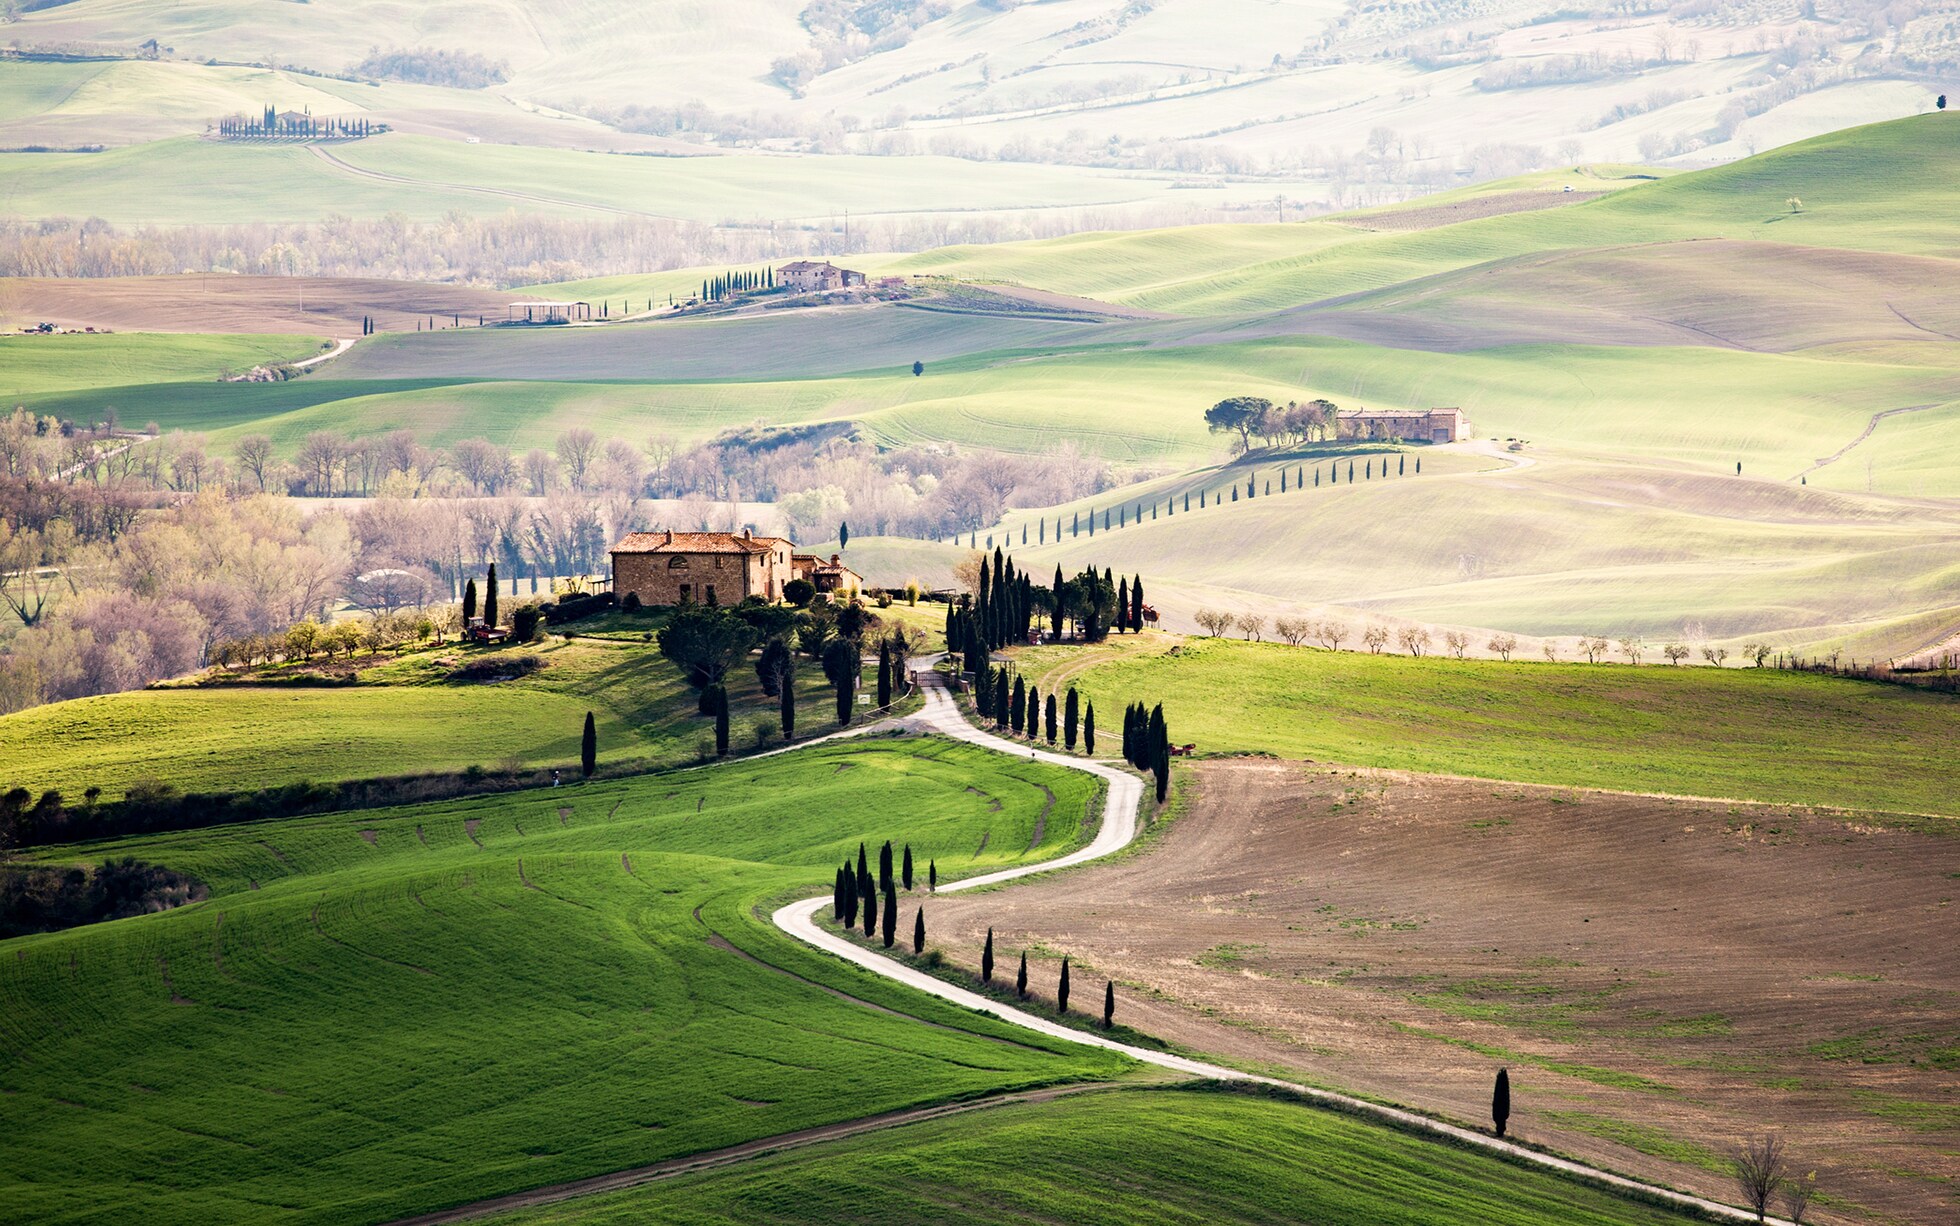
x=1118, y=828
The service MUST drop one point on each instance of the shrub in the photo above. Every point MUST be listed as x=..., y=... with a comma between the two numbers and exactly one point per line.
x=503, y=666
x=524, y=621
x=632, y=602
x=799, y=592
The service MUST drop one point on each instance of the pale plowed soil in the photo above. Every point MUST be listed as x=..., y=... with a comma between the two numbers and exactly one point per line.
x=1660, y=976
x=324, y=306
x=1434, y=216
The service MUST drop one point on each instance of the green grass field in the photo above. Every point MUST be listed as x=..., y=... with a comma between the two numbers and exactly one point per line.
x=1737, y=734
x=1112, y=1158
x=32, y=366
x=402, y=719
x=481, y=997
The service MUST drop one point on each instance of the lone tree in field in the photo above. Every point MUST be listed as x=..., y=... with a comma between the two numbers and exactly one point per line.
x=490, y=597
x=1759, y=1171
x=1061, y=990
x=588, y=748
x=843, y=536
x=889, y=930
x=1500, y=1101
x=469, y=602
x=1109, y=1003
x=987, y=959
x=1021, y=978
x=918, y=368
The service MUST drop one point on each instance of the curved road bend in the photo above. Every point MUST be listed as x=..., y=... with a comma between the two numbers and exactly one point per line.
x=1118, y=829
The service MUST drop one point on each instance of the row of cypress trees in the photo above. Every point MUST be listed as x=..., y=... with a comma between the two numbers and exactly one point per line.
x=1123, y=515
x=1008, y=603
x=1147, y=744
x=714, y=289
x=1061, y=986
x=855, y=895
x=1005, y=697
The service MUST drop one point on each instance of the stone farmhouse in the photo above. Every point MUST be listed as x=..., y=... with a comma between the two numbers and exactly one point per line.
x=670, y=568
x=831, y=579
x=808, y=276
x=1434, y=426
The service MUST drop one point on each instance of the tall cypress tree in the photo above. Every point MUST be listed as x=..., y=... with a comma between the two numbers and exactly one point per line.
x=837, y=896
x=890, y=927
x=1001, y=703
x=1061, y=599
x=868, y=903
x=1109, y=1003
x=490, y=598
x=1123, y=605
x=469, y=603
x=1061, y=990
x=846, y=699
x=588, y=748
x=1500, y=1101
x=932, y=874
x=1136, y=604
x=919, y=930
x=987, y=959
x=1160, y=752
x=1051, y=721
x=905, y=872
x=885, y=866
x=1071, y=719
x=1021, y=978
x=1018, y=708
x=1089, y=728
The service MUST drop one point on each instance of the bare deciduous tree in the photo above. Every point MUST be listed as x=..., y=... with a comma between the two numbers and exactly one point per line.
x=1797, y=1194
x=1376, y=637
x=1675, y=653
x=1715, y=655
x=1413, y=639
x=1758, y=652
x=1213, y=622
x=1458, y=642
x=1550, y=648
x=1331, y=633
x=577, y=448
x=1503, y=645
x=254, y=456
x=1592, y=646
x=1759, y=1171
x=1252, y=626
x=1292, y=629
x=1632, y=648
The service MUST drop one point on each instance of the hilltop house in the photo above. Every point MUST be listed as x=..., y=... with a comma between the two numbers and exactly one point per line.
x=1434, y=426
x=670, y=568
x=808, y=276
x=830, y=578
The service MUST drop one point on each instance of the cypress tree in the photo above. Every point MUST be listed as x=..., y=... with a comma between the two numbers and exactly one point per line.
x=889, y=930
x=932, y=874
x=490, y=598
x=1350, y=472
x=1282, y=482
x=987, y=959
x=1075, y=525
x=1418, y=464
x=846, y=695
x=1109, y=1003
x=1018, y=710
x=1500, y=1101
x=863, y=863
x=1061, y=600
x=1160, y=753
x=1401, y=465
x=1061, y=991
x=1130, y=734
x=838, y=907
x=868, y=894
x=1071, y=719
x=905, y=872
x=884, y=674
x=1001, y=703
x=1123, y=605
x=786, y=707
x=1051, y=722
x=588, y=748
x=885, y=866
x=1136, y=604
x=721, y=721
x=1021, y=979
x=919, y=930
x=1187, y=499
x=1089, y=729
x=1316, y=476
x=469, y=603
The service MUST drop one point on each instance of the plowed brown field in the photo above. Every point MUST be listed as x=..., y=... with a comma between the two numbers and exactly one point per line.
x=1661, y=976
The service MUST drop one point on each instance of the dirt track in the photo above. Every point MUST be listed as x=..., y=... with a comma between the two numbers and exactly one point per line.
x=1696, y=972
x=322, y=306
x=1432, y=216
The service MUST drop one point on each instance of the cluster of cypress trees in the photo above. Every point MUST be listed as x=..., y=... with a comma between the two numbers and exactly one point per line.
x=714, y=289
x=1014, y=705
x=1061, y=987
x=855, y=895
x=1001, y=614
x=270, y=124
x=1147, y=744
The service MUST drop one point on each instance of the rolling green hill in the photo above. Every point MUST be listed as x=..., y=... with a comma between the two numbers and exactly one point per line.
x=34, y=366
x=385, y=1013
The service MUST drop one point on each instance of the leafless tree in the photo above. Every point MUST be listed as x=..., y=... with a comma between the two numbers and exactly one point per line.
x=1675, y=653
x=1758, y=652
x=1413, y=639
x=1376, y=637
x=1632, y=648
x=577, y=448
x=1797, y=1194
x=1592, y=646
x=1292, y=629
x=1458, y=642
x=540, y=471
x=1550, y=648
x=1252, y=626
x=1330, y=633
x=1759, y=1171
x=1213, y=622
x=1503, y=645
x=1715, y=655
x=254, y=455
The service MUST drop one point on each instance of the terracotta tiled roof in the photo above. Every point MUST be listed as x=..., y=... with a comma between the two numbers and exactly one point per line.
x=695, y=542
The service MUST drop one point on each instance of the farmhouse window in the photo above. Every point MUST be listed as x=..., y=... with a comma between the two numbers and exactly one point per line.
x=677, y=563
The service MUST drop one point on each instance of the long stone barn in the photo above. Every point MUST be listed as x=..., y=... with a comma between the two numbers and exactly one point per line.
x=1434, y=426
x=671, y=568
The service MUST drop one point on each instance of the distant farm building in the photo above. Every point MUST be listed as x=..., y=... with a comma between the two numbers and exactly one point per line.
x=808, y=276
x=1434, y=426
x=548, y=312
x=829, y=578
x=671, y=568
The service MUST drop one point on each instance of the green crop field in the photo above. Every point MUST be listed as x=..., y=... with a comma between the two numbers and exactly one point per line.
x=383, y=1013
x=32, y=366
x=403, y=719
x=1114, y=1157
x=1736, y=734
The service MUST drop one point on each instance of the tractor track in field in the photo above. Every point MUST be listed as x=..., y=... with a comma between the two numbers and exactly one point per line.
x=380, y=176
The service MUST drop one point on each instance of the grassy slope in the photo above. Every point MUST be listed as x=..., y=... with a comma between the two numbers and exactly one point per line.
x=1883, y=187
x=39, y=365
x=1740, y=734
x=349, y=1031
x=258, y=736
x=1127, y=1156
